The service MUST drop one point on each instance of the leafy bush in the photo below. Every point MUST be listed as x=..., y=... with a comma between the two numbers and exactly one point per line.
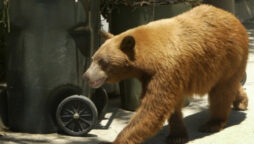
x=108, y=5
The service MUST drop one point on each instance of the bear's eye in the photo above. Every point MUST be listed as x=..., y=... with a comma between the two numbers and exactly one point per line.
x=102, y=63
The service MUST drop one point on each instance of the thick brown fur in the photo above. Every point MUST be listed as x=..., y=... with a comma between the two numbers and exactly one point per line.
x=201, y=51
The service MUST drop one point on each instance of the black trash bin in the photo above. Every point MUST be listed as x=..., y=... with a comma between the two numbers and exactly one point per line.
x=46, y=58
x=3, y=108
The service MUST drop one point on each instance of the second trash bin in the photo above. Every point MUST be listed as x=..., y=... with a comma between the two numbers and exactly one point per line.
x=125, y=17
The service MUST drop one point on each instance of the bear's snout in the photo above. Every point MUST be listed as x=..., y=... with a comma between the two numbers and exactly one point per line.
x=85, y=76
x=95, y=76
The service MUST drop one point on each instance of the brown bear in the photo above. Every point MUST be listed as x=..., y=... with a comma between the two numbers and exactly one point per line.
x=204, y=50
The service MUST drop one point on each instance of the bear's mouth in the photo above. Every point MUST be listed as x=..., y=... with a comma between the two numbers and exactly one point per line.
x=98, y=83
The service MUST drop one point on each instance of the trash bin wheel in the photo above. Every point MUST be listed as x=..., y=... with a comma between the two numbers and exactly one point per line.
x=76, y=115
x=244, y=79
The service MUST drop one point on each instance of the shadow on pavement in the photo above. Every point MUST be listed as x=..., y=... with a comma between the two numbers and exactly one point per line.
x=119, y=114
x=110, y=120
x=7, y=139
x=46, y=140
x=193, y=122
x=92, y=141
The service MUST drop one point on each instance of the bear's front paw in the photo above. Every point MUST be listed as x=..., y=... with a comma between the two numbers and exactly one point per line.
x=177, y=139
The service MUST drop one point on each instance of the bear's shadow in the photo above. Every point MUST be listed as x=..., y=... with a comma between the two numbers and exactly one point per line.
x=193, y=122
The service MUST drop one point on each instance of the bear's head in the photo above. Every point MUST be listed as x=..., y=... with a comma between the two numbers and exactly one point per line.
x=113, y=61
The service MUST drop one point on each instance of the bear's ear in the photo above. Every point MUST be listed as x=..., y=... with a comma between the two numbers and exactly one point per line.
x=105, y=35
x=127, y=46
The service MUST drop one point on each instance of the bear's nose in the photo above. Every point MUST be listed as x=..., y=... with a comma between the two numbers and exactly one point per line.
x=85, y=76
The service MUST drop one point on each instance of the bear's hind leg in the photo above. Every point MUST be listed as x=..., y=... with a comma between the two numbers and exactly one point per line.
x=241, y=99
x=221, y=98
x=178, y=133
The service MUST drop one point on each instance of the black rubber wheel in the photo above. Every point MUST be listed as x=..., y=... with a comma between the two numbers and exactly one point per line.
x=244, y=79
x=76, y=115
